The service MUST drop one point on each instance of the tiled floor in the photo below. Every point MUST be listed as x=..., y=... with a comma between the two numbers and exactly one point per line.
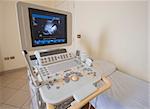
x=14, y=90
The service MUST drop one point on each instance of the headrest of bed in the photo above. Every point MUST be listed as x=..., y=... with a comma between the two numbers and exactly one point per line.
x=105, y=67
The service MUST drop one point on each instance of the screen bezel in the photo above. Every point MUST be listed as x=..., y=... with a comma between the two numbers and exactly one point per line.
x=24, y=24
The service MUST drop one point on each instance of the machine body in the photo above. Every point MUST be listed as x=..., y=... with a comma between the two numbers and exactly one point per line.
x=58, y=78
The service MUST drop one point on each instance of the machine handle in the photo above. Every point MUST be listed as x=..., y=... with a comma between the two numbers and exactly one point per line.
x=107, y=85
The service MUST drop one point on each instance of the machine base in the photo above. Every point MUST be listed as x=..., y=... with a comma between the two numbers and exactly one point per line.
x=87, y=106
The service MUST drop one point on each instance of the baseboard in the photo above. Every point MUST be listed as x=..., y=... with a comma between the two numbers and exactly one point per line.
x=13, y=70
x=1, y=72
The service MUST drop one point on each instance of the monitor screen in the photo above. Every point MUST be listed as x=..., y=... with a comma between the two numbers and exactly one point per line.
x=47, y=28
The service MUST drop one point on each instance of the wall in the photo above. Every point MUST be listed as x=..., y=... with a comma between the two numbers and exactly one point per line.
x=1, y=63
x=149, y=38
x=10, y=37
x=115, y=31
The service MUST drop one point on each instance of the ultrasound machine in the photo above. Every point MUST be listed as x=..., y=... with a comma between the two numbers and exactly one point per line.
x=58, y=78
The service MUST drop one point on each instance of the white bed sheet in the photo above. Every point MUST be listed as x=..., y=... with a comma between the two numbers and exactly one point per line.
x=126, y=92
x=104, y=67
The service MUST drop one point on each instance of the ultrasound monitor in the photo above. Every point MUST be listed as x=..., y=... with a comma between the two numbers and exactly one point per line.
x=43, y=28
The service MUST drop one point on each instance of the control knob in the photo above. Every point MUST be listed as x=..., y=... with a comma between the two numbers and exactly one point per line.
x=74, y=78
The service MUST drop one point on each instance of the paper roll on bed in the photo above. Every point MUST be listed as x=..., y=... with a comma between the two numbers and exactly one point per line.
x=127, y=92
x=105, y=67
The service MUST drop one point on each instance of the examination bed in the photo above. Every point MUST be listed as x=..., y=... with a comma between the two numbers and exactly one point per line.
x=127, y=92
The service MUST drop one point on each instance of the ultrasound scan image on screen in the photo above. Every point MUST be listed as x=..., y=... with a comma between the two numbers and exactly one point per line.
x=47, y=28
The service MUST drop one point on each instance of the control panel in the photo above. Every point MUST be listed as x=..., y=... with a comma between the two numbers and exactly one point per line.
x=49, y=57
x=67, y=74
x=63, y=75
x=63, y=79
x=55, y=58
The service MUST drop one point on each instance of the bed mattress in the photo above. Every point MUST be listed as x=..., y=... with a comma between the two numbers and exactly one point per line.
x=127, y=92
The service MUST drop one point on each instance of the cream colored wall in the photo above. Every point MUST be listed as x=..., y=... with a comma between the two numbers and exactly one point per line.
x=1, y=63
x=10, y=38
x=149, y=39
x=115, y=31
x=48, y=3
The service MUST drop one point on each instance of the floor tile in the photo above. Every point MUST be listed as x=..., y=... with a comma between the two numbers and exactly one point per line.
x=18, y=99
x=13, y=75
x=3, y=106
x=14, y=90
x=25, y=87
x=4, y=81
x=16, y=75
x=17, y=84
x=6, y=93
x=27, y=105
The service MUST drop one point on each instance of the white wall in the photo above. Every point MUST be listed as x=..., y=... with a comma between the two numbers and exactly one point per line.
x=10, y=37
x=115, y=31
